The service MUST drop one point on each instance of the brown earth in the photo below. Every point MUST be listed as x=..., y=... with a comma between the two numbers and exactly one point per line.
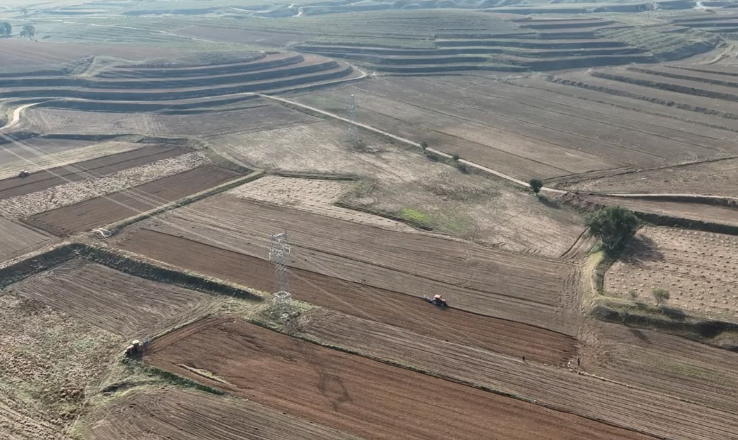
x=112, y=300
x=258, y=38
x=101, y=211
x=259, y=116
x=49, y=360
x=525, y=130
x=172, y=413
x=390, y=307
x=664, y=363
x=718, y=178
x=474, y=278
x=618, y=404
x=698, y=269
x=93, y=168
x=16, y=239
x=353, y=394
x=634, y=106
x=23, y=53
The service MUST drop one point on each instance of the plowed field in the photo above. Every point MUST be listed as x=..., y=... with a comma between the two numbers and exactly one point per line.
x=353, y=394
x=664, y=363
x=394, y=308
x=114, y=301
x=652, y=413
x=93, y=168
x=16, y=240
x=474, y=278
x=101, y=211
x=189, y=415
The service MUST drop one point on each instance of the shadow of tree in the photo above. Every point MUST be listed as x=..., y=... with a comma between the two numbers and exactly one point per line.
x=553, y=204
x=641, y=249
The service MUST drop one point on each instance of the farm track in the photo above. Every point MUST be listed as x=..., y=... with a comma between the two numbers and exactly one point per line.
x=511, y=337
x=101, y=211
x=189, y=415
x=659, y=415
x=117, y=302
x=353, y=394
x=97, y=167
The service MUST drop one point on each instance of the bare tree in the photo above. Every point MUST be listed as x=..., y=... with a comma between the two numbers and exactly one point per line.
x=29, y=31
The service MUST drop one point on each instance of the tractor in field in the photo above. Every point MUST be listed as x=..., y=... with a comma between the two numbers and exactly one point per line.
x=437, y=301
x=136, y=349
x=23, y=173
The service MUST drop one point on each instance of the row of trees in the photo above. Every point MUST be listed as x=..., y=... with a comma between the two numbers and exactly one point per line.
x=6, y=30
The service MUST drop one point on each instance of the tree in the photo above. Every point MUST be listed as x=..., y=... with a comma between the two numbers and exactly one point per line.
x=613, y=225
x=424, y=145
x=5, y=29
x=536, y=185
x=29, y=31
x=455, y=158
x=660, y=295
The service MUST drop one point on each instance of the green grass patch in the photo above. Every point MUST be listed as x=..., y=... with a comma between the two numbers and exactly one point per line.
x=415, y=217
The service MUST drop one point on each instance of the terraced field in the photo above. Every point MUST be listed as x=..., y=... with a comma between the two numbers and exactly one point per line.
x=193, y=85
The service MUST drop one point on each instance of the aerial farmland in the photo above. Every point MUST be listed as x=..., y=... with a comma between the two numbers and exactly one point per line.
x=368, y=220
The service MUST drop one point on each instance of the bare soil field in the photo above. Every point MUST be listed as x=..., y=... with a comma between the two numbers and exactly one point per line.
x=354, y=298
x=173, y=413
x=73, y=192
x=257, y=38
x=690, y=211
x=353, y=394
x=663, y=363
x=101, y=211
x=16, y=239
x=93, y=168
x=617, y=404
x=22, y=53
x=672, y=98
x=525, y=126
x=48, y=359
x=697, y=268
x=30, y=148
x=486, y=271
x=526, y=289
x=111, y=300
x=312, y=195
x=635, y=103
x=407, y=186
x=34, y=157
x=718, y=178
x=202, y=124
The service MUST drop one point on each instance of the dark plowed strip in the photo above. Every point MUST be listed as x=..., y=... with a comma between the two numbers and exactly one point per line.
x=101, y=211
x=93, y=168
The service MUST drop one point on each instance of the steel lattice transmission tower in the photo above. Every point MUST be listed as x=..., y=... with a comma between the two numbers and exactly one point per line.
x=352, y=133
x=278, y=252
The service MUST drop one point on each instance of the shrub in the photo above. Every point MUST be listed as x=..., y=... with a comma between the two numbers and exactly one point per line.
x=455, y=157
x=660, y=295
x=633, y=295
x=424, y=145
x=536, y=185
x=613, y=225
